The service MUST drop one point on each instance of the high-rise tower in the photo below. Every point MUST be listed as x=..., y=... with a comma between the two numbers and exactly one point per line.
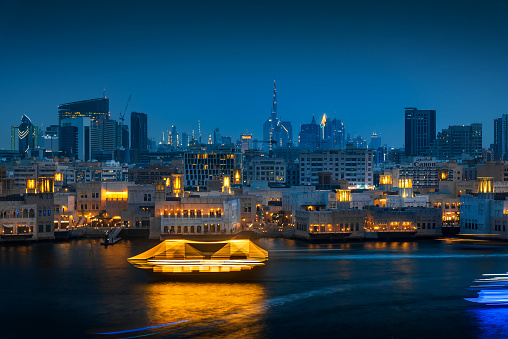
x=139, y=137
x=27, y=135
x=276, y=133
x=420, y=131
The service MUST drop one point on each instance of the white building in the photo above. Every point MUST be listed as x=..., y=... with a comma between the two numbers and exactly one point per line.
x=200, y=216
x=271, y=170
x=353, y=165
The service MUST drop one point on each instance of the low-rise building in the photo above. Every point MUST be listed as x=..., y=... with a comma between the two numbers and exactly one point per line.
x=196, y=216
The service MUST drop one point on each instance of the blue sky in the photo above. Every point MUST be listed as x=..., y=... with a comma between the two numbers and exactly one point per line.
x=359, y=61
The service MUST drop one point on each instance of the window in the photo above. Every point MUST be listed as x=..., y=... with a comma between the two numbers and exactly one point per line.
x=41, y=228
x=48, y=228
x=49, y=213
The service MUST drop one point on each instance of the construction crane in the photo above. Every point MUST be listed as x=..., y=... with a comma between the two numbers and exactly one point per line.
x=122, y=115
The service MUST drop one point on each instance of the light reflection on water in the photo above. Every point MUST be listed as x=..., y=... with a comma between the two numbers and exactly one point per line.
x=491, y=322
x=227, y=307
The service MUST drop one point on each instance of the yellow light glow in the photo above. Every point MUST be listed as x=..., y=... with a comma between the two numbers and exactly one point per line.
x=185, y=256
x=343, y=195
x=385, y=179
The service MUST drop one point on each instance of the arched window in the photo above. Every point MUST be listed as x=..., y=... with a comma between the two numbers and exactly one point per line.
x=166, y=229
x=212, y=228
x=205, y=228
x=32, y=213
x=192, y=229
x=179, y=230
x=198, y=229
x=172, y=230
x=218, y=228
x=186, y=229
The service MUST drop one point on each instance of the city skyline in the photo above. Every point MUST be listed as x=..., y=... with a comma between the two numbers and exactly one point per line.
x=215, y=63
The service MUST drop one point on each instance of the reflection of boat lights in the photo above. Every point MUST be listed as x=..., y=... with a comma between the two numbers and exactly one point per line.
x=492, y=291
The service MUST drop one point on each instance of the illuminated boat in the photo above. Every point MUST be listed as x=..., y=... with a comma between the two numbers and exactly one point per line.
x=186, y=256
x=492, y=290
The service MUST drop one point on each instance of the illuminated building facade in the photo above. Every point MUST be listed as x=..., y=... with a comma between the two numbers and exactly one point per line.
x=353, y=165
x=420, y=131
x=245, y=141
x=403, y=222
x=199, y=216
x=26, y=218
x=211, y=163
x=330, y=224
x=93, y=109
x=100, y=203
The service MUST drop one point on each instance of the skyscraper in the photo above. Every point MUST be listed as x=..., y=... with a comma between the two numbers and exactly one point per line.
x=456, y=141
x=27, y=135
x=93, y=108
x=281, y=132
x=500, y=146
x=139, y=137
x=333, y=133
x=375, y=141
x=309, y=135
x=420, y=131
x=75, y=138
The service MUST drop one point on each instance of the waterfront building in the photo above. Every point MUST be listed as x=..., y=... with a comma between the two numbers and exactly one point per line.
x=66, y=215
x=420, y=131
x=382, y=222
x=139, y=137
x=330, y=224
x=140, y=207
x=101, y=203
x=196, y=216
x=27, y=218
x=93, y=109
x=353, y=165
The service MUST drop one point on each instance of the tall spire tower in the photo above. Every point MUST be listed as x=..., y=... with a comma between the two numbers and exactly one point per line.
x=274, y=107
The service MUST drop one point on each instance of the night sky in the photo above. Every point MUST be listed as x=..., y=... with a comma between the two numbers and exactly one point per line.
x=359, y=61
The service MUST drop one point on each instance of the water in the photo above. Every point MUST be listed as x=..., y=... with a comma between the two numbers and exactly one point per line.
x=80, y=289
